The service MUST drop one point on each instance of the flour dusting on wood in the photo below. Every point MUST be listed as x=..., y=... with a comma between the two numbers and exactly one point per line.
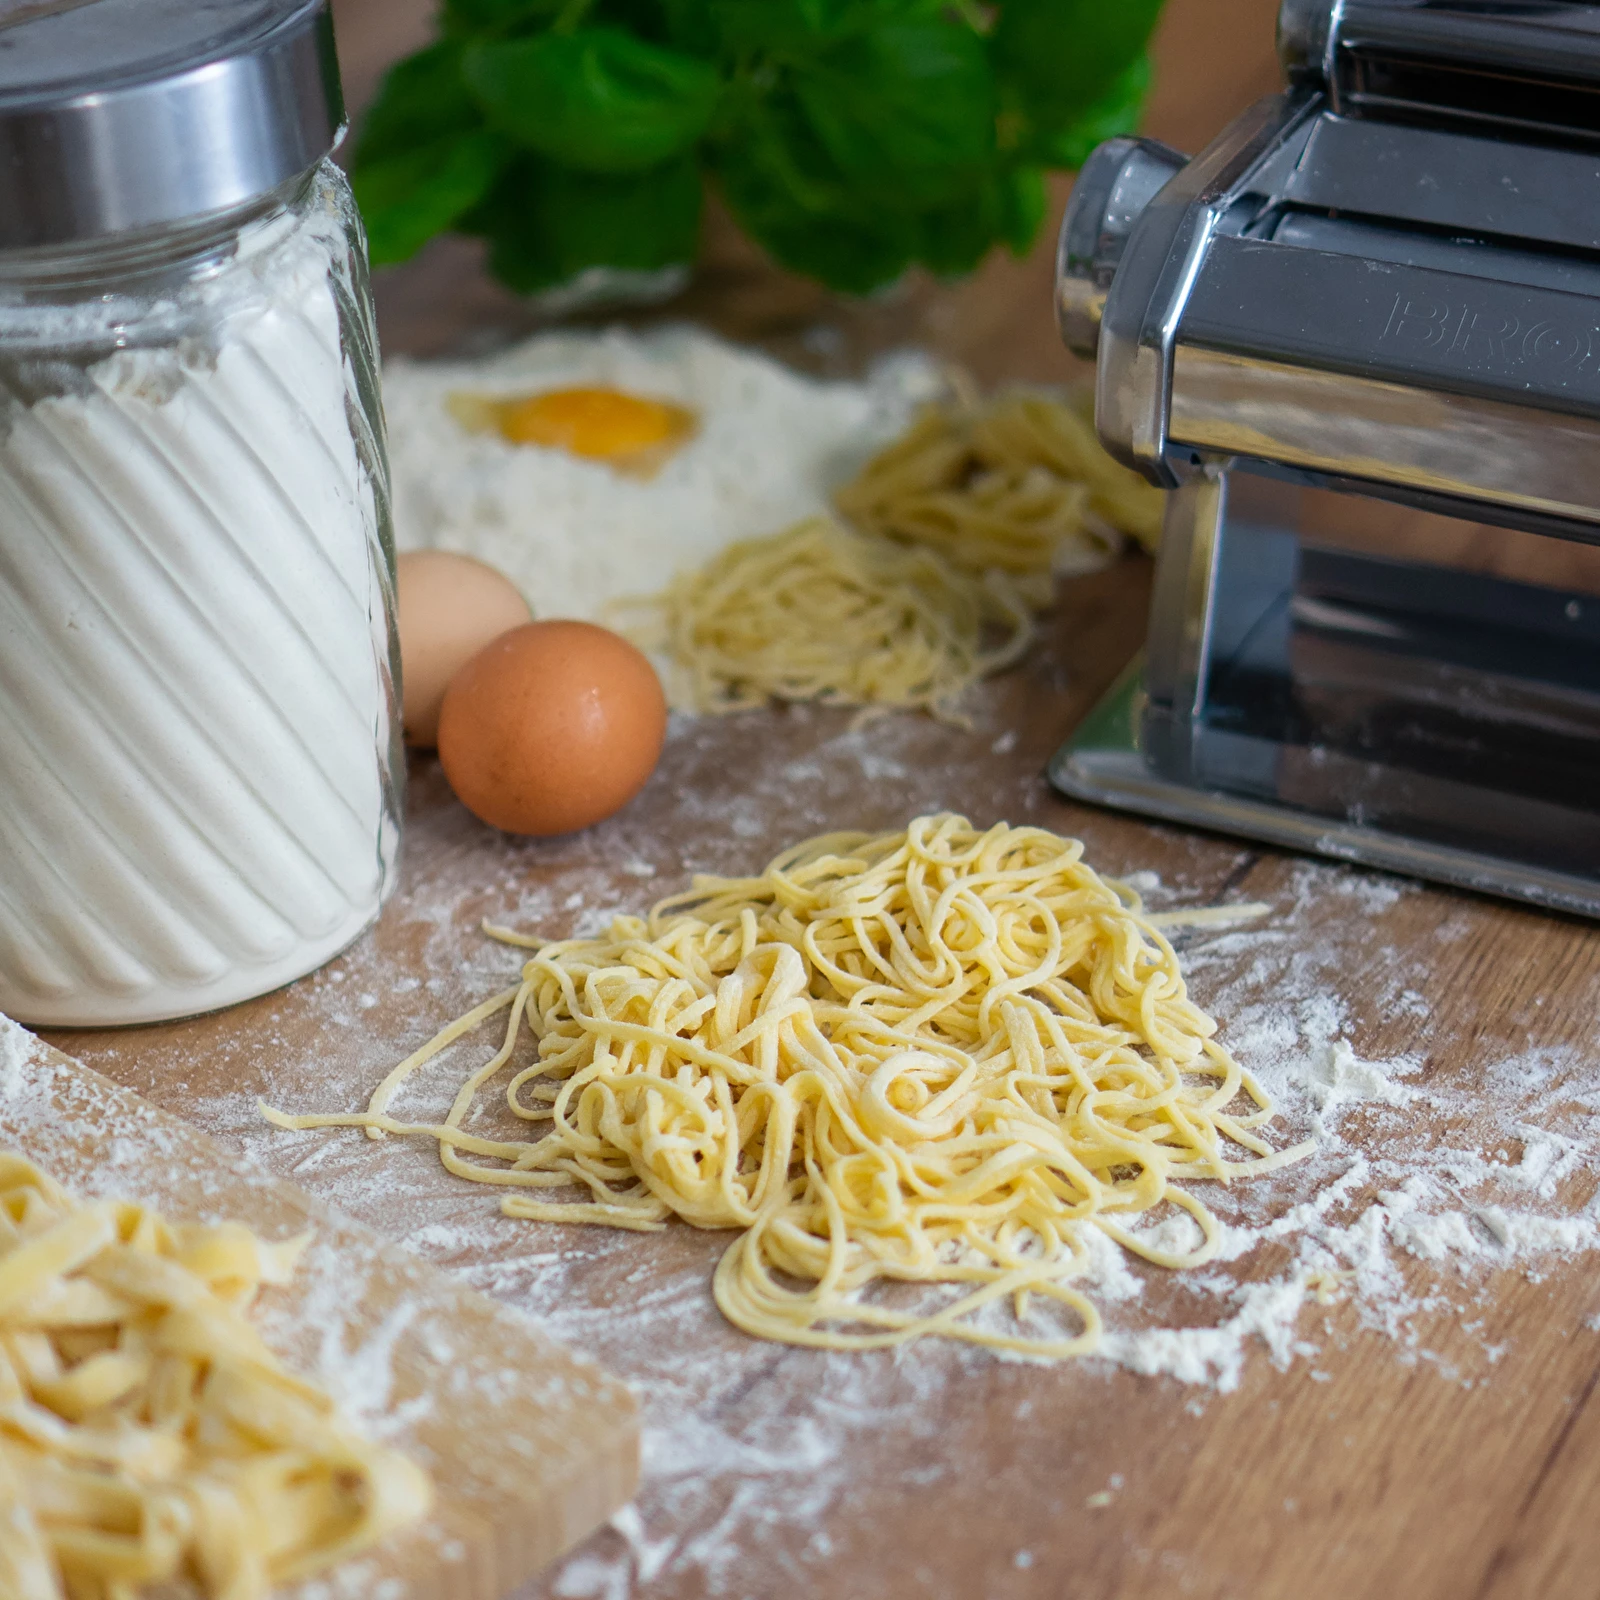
x=15, y=1047
x=1434, y=1189
x=403, y=1352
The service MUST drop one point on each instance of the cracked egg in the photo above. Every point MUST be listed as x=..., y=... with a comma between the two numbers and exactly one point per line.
x=627, y=432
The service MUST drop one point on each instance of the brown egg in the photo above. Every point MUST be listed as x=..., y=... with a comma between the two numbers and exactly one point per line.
x=450, y=608
x=552, y=728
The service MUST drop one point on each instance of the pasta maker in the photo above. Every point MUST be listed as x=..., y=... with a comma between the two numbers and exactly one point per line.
x=1359, y=340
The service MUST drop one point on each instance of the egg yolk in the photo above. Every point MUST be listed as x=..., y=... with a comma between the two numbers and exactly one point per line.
x=599, y=424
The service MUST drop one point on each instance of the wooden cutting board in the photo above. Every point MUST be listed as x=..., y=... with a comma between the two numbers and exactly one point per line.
x=530, y=1446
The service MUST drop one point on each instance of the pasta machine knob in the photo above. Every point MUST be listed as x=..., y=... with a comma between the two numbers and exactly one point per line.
x=1118, y=181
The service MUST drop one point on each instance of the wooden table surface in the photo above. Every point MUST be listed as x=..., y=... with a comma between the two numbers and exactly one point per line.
x=1453, y=1454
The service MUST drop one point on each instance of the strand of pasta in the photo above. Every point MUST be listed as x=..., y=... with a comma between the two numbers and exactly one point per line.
x=147, y=1435
x=940, y=1056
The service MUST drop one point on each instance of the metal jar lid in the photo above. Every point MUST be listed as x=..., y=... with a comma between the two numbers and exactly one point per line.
x=117, y=115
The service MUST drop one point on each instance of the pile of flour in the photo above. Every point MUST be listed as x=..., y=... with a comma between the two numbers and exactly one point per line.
x=575, y=535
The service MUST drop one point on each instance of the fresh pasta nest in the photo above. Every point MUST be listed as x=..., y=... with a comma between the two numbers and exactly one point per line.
x=822, y=614
x=147, y=1436
x=1018, y=484
x=941, y=1056
x=957, y=534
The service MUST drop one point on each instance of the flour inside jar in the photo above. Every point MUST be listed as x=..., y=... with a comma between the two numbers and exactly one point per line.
x=199, y=798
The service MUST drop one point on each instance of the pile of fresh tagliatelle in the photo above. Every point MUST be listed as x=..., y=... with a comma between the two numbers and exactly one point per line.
x=956, y=534
x=936, y=1057
x=147, y=1435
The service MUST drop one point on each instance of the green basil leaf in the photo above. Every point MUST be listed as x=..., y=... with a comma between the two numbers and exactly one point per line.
x=757, y=34
x=748, y=26
x=1025, y=204
x=774, y=182
x=876, y=153
x=1006, y=205
x=958, y=235
x=904, y=112
x=849, y=254
x=1062, y=56
x=498, y=16
x=646, y=18
x=599, y=100
x=547, y=223
x=423, y=98
x=1117, y=113
x=797, y=26
x=691, y=25
x=407, y=198
x=425, y=156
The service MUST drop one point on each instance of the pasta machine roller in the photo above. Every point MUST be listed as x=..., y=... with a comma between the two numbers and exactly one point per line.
x=1359, y=340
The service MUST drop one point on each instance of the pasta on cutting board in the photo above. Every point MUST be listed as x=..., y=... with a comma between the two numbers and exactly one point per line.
x=147, y=1435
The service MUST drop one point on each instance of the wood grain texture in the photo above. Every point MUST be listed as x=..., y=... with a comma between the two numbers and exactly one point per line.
x=1458, y=1460
x=423, y=1363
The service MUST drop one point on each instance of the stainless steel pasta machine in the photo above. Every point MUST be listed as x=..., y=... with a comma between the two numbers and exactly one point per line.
x=1359, y=339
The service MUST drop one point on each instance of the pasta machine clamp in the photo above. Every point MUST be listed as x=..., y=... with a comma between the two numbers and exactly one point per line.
x=1358, y=338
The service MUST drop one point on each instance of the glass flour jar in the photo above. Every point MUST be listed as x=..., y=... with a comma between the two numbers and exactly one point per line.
x=200, y=770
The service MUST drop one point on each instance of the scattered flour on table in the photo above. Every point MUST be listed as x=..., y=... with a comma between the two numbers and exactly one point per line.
x=576, y=535
x=1386, y=1193
x=1428, y=1192
x=320, y=1324
x=16, y=1045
